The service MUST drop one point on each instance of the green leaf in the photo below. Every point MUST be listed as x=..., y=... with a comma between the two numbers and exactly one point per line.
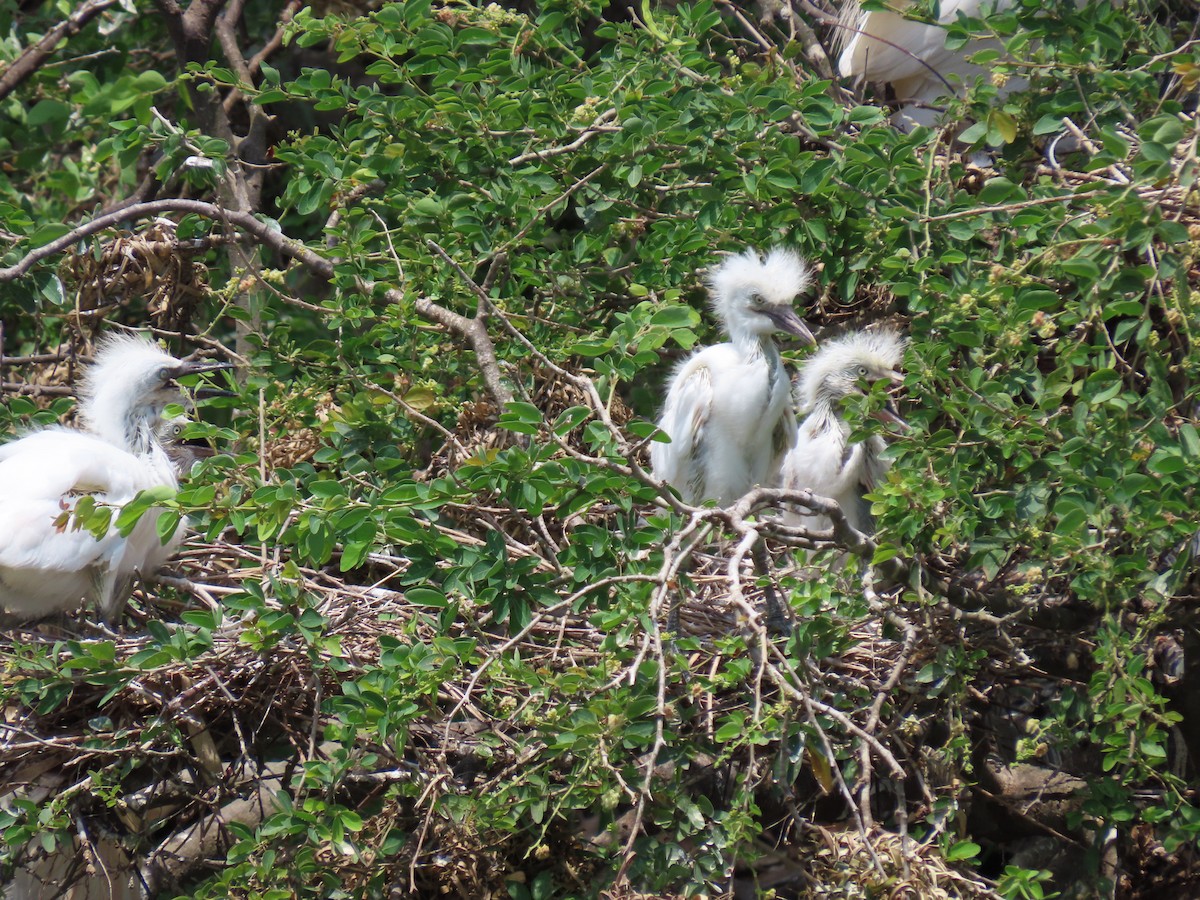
x=675, y=315
x=1081, y=267
x=425, y=596
x=962, y=850
x=570, y=419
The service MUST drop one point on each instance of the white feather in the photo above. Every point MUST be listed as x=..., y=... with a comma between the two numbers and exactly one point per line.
x=46, y=565
x=727, y=410
x=823, y=460
x=883, y=46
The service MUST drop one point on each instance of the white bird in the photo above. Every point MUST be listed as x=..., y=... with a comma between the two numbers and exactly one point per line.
x=882, y=46
x=728, y=411
x=46, y=564
x=823, y=459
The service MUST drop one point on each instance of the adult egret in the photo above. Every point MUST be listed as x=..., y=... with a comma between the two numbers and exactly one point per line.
x=47, y=565
x=823, y=459
x=882, y=46
x=728, y=410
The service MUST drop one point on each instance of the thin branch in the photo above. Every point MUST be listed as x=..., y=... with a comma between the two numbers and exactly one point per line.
x=35, y=54
x=473, y=332
x=598, y=127
x=225, y=26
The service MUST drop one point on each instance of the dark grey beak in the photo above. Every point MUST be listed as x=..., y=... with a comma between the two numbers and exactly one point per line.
x=196, y=367
x=889, y=414
x=786, y=319
x=204, y=393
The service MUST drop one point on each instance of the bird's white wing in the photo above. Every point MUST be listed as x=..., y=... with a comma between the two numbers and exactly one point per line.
x=820, y=461
x=889, y=47
x=37, y=534
x=685, y=418
x=59, y=461
x=41, y=477
x=949, y=10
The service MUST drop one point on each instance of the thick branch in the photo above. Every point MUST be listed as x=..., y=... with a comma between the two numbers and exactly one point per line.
x=473, y=331
x=34, y=55
x=190, y=30
x=226, y=26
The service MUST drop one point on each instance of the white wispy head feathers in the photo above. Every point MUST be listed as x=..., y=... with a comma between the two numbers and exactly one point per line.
x=127, y=371
x=777, y=278
x=838, y=365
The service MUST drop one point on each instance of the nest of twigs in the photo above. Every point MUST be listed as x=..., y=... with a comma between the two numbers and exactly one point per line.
x=239, y=701
x=150, y=270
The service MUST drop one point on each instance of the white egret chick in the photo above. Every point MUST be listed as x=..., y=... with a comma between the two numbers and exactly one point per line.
x=883, y=47
x=47, y=565
x=823, y=459
x=728, y=409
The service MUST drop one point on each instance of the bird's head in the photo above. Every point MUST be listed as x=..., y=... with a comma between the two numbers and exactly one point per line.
x=850, y=364
x=129, y=385
x=753, y=295
x=184, y=453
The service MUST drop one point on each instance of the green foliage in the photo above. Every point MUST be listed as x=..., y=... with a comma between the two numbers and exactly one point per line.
x=580, y=172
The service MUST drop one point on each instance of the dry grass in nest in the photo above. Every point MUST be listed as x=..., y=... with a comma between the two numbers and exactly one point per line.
x=845, y=864
x=293, y=442
x=151, y=267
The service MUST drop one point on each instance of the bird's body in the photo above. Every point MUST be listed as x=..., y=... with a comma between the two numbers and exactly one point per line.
x=46, y=564
x=824, y=460
x=882, y=46
x=44, y=567
x=728, y=410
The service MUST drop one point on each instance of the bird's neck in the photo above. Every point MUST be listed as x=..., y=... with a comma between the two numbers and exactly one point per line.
x=131, y=428
x=824, y=415
x=751, y=343
x=140, y=437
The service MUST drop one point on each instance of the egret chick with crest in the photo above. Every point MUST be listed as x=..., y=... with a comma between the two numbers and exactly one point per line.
x=728, y=409
x=46, y=564
x=823, y=459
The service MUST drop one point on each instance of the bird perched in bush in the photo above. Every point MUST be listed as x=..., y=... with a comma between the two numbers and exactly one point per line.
x=884, y=47
x=728, y=410
x=823, y=459
x=184, y=454
x=47, y=564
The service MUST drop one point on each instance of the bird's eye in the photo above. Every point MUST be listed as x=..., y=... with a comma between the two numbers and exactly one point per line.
x=862, y=371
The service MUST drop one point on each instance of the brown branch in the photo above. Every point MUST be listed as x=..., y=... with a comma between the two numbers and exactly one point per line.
x=36, y=390
x=35, y=54
x=276, y=40
x=260, y=230
x=225, y=24
x=473, y=331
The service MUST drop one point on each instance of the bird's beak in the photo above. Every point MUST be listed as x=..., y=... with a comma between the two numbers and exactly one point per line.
x=889, y=414
x=786, y=319
x=894, y=377
x=196, y=367
x=205, y=393
x=196, y=449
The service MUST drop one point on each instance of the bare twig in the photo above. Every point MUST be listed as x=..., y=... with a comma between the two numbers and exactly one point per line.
x=32, y=57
